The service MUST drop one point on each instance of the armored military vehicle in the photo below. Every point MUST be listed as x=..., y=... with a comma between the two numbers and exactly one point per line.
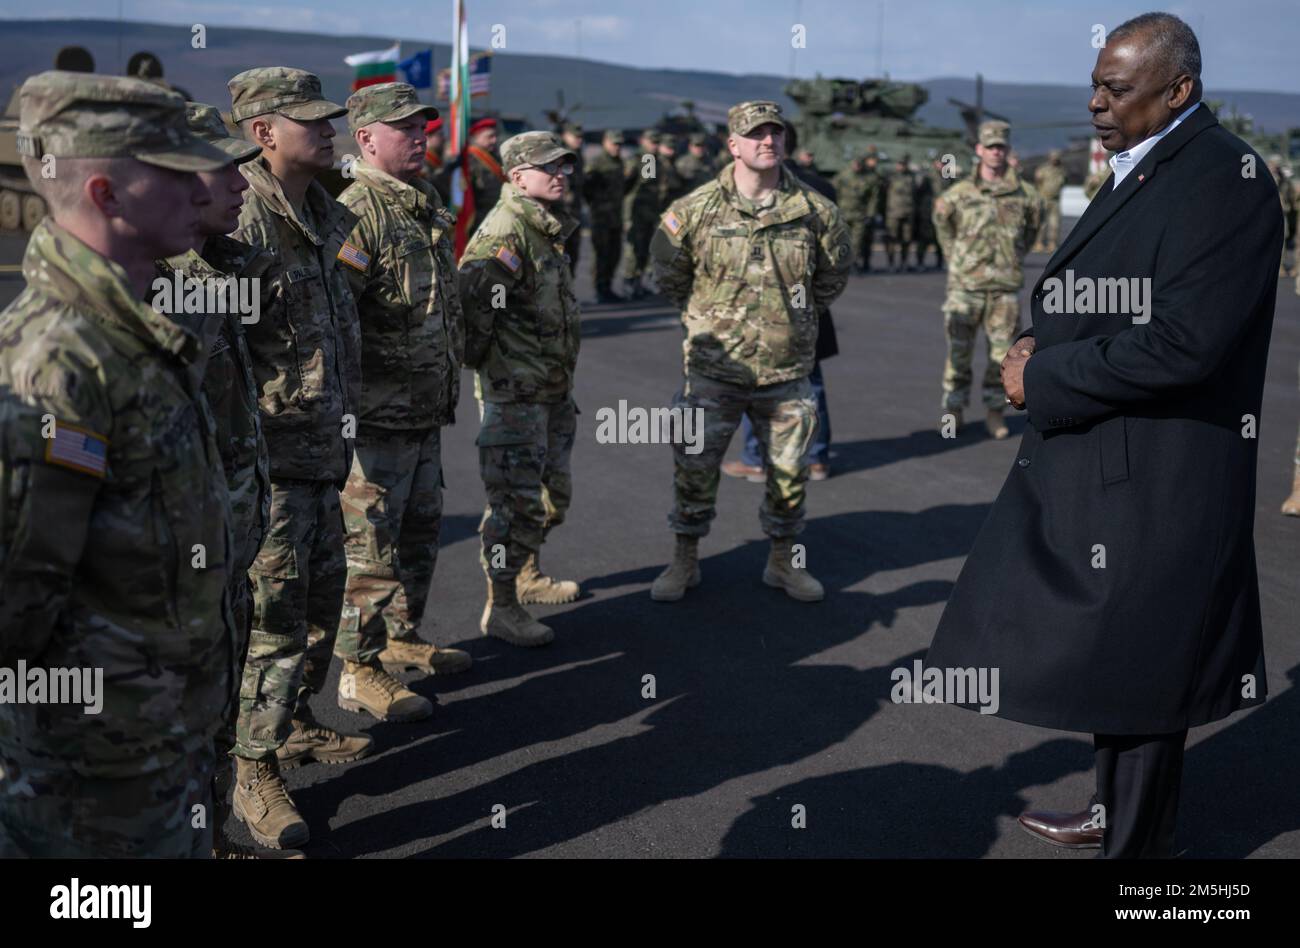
x=839, y=119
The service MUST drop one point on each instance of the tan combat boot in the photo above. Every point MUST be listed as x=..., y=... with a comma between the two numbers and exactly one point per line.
x=1291, y=506
x=414, y=655
x=532, y=585
x=506, y=619
x=682, y=573
x=311, y=740
x=373, y=690
x=223, y=847
x=996, y=426
x=781, y=573
x=262, y=801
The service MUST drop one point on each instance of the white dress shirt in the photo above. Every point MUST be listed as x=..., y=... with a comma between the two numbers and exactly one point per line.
x=1123, y=162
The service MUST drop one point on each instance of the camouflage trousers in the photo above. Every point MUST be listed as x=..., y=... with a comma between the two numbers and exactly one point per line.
x=637, y=253
x=298, y=579
x=784, y=417
x=859, y=241
x=964, y=312
x=392, y=509
x=62, y=814
x=523, y=453
x=607, y=244
x=1050, y=235
x=899, y=234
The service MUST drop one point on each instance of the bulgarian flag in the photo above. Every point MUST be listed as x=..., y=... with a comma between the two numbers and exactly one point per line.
x=462, y=191
x=375, y=67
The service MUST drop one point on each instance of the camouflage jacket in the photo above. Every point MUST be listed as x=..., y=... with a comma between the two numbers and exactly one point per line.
x=1049, y=179
x=306, y=346
x=642, y=203
x=693, y=172
x=858, y=193
x=900, y=196
x=573, y=187
x=985, y=228
x=230, y=389
x=404, y=281
x=522, y=322
x=750, y=286
x=114, y=521
x=604, y=185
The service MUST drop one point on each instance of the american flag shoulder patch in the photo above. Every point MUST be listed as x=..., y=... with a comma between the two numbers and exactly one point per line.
x=354, y=256
x=672, y=223
x=508, y=258
x=77, y=448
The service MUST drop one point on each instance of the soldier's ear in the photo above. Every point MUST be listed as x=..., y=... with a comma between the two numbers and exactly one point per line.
x=100, y=191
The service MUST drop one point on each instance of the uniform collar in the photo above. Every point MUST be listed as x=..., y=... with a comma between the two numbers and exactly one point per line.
x=417, y=197
x=325, y=212
x=791, y=202
x=61, y=266
x=1005, y=185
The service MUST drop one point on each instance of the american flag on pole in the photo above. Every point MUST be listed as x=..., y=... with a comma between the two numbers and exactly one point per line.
x=480, y=78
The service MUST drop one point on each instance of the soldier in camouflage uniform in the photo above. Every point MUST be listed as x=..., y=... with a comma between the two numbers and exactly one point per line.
x=857, y=193
x=485, y=174
x=231, y=392
x=694, y=168
x=403, y=277
x=522, y=335
x=604, y=187
x=115, y=532
x=306, y=360
x=1049, y=179
x=900, y=214
x=641, y=211
x=671, y=184
x=985, y=225
x=571, y=135
x=751, y=259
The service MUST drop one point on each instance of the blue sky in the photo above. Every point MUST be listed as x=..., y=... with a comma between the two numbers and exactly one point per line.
x=1249, y=44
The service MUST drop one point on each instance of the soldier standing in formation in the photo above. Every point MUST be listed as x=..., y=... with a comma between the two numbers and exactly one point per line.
x=604, y=188
x=306, y=360
x=107, y=446
x=854, y=191
x=400, y=264
x=671, y=184
x=641, y=210
x=522, y=335
x=231, y=393
x=778, y=254
x=573, y=191
x=695, y=168
x=1049, y=179
x=985, y=224
x=1286, y=192
x=900, y=214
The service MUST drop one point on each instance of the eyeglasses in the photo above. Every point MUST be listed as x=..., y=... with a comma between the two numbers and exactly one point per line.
x=555, y=167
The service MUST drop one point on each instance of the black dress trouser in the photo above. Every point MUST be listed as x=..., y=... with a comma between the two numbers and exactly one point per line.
x=1138, y=779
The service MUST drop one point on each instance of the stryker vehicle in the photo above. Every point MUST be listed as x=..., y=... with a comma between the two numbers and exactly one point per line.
x=839, y=119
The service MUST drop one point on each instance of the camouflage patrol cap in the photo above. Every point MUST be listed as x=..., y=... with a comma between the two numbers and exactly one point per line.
x=385, y=102
x=573, y=128
x=699, y=138
x=85, y=115
x=1054, y=155
x=994, y=132
x=667, y=141
x=206, y=123
x=293, y=93
x=533, y=148
x=747, y=116
x=614, y=135
x=650, y=135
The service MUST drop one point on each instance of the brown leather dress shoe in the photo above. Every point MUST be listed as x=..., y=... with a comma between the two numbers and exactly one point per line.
x=1069, y=830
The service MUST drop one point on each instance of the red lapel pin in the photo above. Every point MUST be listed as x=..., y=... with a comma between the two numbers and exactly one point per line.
x=1142, y=177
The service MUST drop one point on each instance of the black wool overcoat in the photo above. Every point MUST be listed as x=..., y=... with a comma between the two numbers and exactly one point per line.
x=1114, y=583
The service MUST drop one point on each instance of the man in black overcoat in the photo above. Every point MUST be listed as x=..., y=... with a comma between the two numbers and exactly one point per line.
x=1113, y=585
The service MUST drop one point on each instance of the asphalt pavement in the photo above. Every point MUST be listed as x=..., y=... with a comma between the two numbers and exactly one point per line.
x=762, y=705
